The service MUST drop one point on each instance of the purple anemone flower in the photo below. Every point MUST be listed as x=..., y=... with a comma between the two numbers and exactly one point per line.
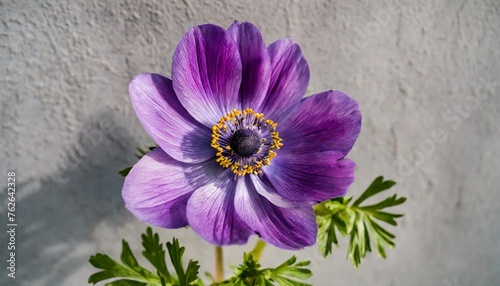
x=241, y=152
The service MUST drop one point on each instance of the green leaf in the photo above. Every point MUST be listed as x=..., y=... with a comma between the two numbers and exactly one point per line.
x=141, y=152
x=125, y=282
x=188, y=276
x=377, y=186
x=326, y=234
x=154, y=253
x=250, y=273
x=389, y=202
x=129, y=260
x=130, y=272
x=288, y=269
x=358, y=222
x=112, y=269
x=124, y=172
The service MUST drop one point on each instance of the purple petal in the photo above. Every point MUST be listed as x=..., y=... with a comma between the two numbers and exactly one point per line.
x=288, y=228
x=314, y=177
x=211, y=212
x=158, y=187
x=267, y=190
x=289, y=77
x=256, y=64
x=323, y=122
x=167, y=122
x=206, y=73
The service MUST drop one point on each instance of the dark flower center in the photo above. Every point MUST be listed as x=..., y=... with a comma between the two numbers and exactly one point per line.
x=245, y=142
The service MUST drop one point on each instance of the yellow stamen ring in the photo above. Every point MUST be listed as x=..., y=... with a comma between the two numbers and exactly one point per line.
x=234, y=138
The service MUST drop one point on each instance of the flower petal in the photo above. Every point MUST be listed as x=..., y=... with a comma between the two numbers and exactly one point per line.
x=288, y=228
x=312, y=177
x=267, y=190
x=255, y=61
x=211, y=212
x=158, y=187
x=326, y=121
x=167, y=122
x=289, y=77
x=206, y=73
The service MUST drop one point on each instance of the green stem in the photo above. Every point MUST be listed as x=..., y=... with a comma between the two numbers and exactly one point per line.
x=257, y=250
x=219, y=270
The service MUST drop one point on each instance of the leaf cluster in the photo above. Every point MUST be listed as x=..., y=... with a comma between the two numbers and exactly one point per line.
x=249, y=273
x=358, y=222
x=130, y=272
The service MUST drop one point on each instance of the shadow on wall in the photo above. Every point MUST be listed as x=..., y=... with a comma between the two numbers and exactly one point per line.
x=57, y=220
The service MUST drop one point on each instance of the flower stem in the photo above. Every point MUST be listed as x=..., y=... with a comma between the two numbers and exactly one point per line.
x=257, y=250
x=219, y=270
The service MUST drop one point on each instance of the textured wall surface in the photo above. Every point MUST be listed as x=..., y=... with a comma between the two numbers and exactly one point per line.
x=426, y=75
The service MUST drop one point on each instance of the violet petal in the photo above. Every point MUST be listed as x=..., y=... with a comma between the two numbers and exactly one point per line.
x=158, y=187
x=314, y=177
x=206, y=73
x=328, y=121
x=288, y=228
x=212, y=215
x=264, y=187
x=289, y=77
x=166, y=120
x=256, y=64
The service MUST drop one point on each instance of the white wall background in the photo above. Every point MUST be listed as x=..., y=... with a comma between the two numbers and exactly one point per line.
x=416, y=69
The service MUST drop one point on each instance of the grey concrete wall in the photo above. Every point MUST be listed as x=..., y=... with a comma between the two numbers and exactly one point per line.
x=417, y=70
